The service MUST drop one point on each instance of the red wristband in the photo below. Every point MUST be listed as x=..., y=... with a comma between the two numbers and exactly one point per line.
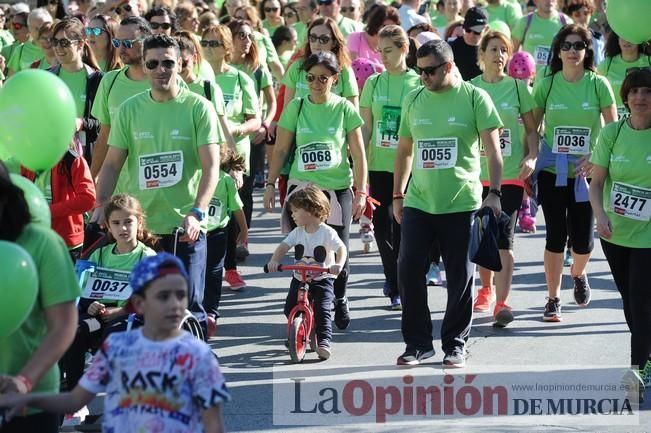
x=398, y=195
x=25, y=382
x=360, y=194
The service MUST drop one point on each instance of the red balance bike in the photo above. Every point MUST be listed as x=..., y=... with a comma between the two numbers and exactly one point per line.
x=300, y=323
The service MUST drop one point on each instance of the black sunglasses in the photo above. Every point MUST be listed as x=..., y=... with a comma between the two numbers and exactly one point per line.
x=322, y=78
x=429, y=70
x=127, y=8
x=269, y=10
x=322, y=39
x=164, y=26
x=153, y=64
x=244, y=35
x=211, y=44
x=347, y=9
x=63, y=43
x=578, y=46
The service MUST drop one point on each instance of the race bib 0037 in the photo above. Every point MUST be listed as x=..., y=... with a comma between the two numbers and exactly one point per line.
x=436, y=153
x=317, y=156
x=107, y=284
x=631, y=201
x=571, y=140
x=160, y=170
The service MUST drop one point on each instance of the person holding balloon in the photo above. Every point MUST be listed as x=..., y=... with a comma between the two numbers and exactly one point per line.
x=38, y=317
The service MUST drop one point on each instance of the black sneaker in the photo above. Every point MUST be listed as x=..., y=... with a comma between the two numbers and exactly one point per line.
x=581, y=290
x=455, y=359
x=552, y=310
x=342, y=314
x=414, y=356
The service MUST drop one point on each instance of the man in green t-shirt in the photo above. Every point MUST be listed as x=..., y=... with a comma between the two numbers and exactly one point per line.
x=440, y=127
x=331, y=9
x=169, y=138
x=307, y=11
x=24, y=51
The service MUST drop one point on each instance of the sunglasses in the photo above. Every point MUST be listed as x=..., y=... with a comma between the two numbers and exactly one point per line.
x=289, y=14
x=322, y=78
x=578, y=46
x=124, y=8
x=323, y=39
x=126, y=43
x=211, y=44
x=153, y=64
x=428, y=70
x=269, y=10
x=94, y=31
x=18, y=26
x=63, y=42
x=638, y=69
x=347, y=9
x=244, y=35
x=474, y=32
x=164, y=26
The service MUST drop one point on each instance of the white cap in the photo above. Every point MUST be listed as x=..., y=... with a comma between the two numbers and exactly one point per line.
x=426, y=37
x=19, y=8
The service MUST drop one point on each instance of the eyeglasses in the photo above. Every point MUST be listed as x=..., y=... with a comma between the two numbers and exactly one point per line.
x=322, y=78
x=289, y=14
x=153, y=64
x=474, y=32
x=578, y=46
x=244, y=35
x=63, y=42
x=126, y=8
x=18, y=26
x=211, y=44
x=428, y=70
x=94, y=31
x=322, y=39
x=638, y=69
x=350, y=9
x=126, y=43
x=164, y=26
x=269, y=10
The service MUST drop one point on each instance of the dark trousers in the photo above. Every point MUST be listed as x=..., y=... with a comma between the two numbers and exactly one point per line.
x=43, y=422
x=419, y=229
x=629, y=266
x=246, y=194
x=193, y=256
x=258, y=154
x=216, y=243
x=387, y=229
x=322, y=293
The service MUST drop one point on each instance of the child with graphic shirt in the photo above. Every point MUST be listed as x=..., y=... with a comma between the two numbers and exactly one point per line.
x=105, y=291
x=156, y=378
x=310, y=209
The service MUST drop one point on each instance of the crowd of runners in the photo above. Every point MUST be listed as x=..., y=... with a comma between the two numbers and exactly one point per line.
x=404, y=118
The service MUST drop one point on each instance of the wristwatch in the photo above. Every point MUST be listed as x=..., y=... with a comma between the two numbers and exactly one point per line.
x=201, y=215
x=497, y=192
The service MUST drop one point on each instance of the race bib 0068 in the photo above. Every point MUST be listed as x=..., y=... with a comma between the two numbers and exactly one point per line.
x=571, y=140
x=631, y=201
x=436, y=153
x=160, y=170
x=317, y=156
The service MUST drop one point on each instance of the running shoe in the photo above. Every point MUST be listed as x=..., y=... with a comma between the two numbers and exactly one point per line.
x=552, y=310
x=234, y=279
x=74, y=419
x=434, y=275
x=242, y=252
x=485, y=297
x=569, y=260
x=455, y=359
x=323, y=351
x=414, y=356
x=581, y=290
x=342, y=314
x=645, y=374
x=502, y=314
x=396, y=305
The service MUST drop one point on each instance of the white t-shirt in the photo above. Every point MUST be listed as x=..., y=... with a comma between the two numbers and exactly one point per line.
x=159, y=386
x=325, y=236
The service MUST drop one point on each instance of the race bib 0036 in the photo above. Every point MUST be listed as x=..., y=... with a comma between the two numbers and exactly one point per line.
x=541, y=55
x=160, y=170
x=317, y=156
x=107, y=284
x=571, y=140
x=505, y=144
x=436, y=153
x=631, y=201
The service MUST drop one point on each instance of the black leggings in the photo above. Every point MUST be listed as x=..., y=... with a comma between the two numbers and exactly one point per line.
x=387, y=229
x=563, y=216
x=511, y=202
x=43, y=422
x=628, y=266
x=233, y=230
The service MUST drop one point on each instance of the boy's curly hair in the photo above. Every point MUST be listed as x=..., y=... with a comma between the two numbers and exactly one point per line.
x=230, y=160
x=311, y=199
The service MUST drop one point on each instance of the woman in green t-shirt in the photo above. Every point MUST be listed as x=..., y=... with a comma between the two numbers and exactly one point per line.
x=44, y=42
x=575, y=102
x=270, y=14
x=380, y=104
x=100, y=31
x=519, y=143
x=325, y=128
x=620, y=194
x=620, y=56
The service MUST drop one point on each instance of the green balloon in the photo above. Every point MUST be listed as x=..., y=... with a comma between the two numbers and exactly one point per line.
x=38, y=207
x=19, y=286
x=630, y=19
x=500, y=26
x=37, y=118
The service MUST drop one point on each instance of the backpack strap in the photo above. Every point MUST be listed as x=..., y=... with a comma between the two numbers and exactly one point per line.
x=526, y=27
x=257, y=74
x=548, y=92
x=207, y=90
x=517, y=91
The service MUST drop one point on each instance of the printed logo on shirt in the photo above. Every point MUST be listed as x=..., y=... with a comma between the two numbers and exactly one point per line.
x=619, y=158
x=451, y=119
x=175, y=134
x=143, y=135
x=534, y=36
x=304, y=130
x=587, y=106
x=648, y=159
x=423, y=121
x=332, y=130
x=557, y=107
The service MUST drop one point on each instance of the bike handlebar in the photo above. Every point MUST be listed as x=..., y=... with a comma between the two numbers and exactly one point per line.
x=304, y=268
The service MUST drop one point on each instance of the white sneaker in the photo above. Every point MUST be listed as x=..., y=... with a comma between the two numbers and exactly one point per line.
x=74, y=419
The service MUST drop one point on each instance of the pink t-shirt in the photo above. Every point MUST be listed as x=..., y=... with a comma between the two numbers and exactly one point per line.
x=358, y=44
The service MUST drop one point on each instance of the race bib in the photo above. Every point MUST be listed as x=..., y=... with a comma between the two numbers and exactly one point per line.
x=317, y=156
x=571, y=140
x=541, y=55
x=621, y=112
x=630, y=201
x=214, y=211
x=436, y=153
x=107, y=284
x=160, y=170
x=505, y=144
x=383, y=139
x=386, y=134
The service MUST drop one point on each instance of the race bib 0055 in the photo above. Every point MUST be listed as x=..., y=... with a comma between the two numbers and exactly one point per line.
x=107, y=284
x=317, y=156
x=571, y=140
x=160, y=170
x=631, y=201
x=436, y=153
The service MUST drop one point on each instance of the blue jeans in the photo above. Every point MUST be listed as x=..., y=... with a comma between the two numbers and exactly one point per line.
x=214, y=270
x=323, y=294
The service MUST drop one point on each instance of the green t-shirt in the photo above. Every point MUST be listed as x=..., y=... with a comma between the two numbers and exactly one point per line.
x=204, y=71
x=301, y=33
x=511, y=102
x=445, y=130
x=216, y=96
x=539, y=37
x=6, y=39
x=241, y=100
x=285, y=58
x=507, y=12
x=321, y=154
x=572, y=112
x=270, y=29
x=614, y=69
x=8, y=50
x=57, y=285
x=162, y=141
x=383, y=94
x=348, y=26
x=23, y=56
x=107, y=258
x=76, y=82
x=627, y=189
x=225, y=201
x=113, y=90
x=295, y=79
x=440, y=23
x=266, y=50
